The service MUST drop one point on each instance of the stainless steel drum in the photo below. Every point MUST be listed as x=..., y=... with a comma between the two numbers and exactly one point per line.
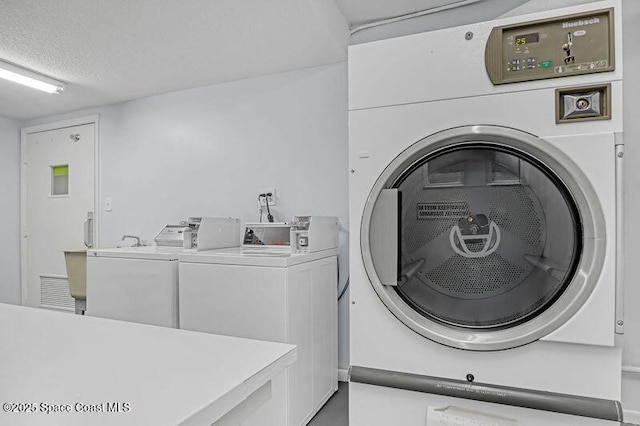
x=475, y=250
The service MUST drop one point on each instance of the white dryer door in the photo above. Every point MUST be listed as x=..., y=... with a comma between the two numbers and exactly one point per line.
x=493, y=227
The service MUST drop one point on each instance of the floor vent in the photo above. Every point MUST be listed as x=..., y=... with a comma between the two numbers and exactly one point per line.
x=54, y=293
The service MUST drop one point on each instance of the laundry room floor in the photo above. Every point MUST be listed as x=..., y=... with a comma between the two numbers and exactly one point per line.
x=336, y=411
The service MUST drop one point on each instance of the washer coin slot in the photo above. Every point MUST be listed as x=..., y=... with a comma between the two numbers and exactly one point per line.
x=583, y=103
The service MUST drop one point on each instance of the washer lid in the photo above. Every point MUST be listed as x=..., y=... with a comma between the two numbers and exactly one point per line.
x=143, y=252
x=254, y=257
x=475, y=238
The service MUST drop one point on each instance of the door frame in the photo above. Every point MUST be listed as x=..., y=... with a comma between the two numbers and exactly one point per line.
x=24, y=133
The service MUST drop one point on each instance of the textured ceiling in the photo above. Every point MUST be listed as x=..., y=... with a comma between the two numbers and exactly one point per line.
x=117, y=50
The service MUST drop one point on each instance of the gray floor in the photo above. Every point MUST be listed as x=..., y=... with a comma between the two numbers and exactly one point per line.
x=336, y=411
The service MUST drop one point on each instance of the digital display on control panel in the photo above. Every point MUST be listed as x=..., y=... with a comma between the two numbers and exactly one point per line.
x=527, y=39
x=556, y=47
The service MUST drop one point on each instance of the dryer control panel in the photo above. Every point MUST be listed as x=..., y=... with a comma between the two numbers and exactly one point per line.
x=559, y=47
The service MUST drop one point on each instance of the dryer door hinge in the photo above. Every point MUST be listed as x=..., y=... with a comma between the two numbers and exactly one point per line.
x=619, y=325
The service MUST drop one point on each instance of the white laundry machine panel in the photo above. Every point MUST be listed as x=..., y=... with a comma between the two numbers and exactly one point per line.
x=137, y=284
x=402, y=70
x=274, y=296
x=382, y=406
x=484, y=229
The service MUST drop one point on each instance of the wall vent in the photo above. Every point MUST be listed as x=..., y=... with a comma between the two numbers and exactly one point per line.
x=54, y=293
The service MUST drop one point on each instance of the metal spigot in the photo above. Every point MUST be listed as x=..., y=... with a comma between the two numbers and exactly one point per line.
x=137, y=243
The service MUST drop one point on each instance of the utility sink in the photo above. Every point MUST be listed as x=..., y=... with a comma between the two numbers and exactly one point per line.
x=76, y=263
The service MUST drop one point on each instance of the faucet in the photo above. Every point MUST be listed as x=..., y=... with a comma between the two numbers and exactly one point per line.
x=137, y=243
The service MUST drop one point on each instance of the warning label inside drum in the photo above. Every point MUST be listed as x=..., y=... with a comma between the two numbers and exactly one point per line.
x=445, y=210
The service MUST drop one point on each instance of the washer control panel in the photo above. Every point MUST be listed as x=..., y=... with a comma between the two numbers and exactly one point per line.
x=558, y=47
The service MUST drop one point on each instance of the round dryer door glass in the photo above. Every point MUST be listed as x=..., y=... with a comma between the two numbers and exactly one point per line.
x=488, y=238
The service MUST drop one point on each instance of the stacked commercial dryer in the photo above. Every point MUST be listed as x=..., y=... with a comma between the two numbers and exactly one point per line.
x=485, y=212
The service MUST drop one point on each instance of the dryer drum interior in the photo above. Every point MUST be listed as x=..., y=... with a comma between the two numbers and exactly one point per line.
x=488, y=237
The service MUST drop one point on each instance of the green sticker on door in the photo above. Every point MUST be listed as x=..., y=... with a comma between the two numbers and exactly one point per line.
x=60, y=171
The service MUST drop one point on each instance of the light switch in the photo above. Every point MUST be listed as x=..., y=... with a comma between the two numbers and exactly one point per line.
x=107, y=204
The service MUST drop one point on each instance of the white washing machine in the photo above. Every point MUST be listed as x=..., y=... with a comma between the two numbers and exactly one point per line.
x=136, y=284
x=485, y=213
x=284, y=294
x=140, y=283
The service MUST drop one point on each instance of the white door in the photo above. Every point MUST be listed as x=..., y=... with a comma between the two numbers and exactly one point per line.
x=58, y=196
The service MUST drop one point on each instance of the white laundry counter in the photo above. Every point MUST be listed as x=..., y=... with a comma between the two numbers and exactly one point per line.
x=95, y=371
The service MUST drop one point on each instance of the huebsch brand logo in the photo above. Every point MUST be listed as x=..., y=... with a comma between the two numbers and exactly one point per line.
x=580, y=23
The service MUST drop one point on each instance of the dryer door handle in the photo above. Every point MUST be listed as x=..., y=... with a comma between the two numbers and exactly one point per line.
x=383, y=236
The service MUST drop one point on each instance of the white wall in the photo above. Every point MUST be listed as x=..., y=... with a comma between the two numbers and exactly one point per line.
x=10, y=211
x=209, y=151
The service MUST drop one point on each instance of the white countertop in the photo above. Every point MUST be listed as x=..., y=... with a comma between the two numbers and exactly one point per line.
x=254, y=257
x=167, y=376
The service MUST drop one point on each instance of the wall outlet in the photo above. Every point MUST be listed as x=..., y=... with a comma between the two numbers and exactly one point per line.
x=107, y=204
x=272, y=198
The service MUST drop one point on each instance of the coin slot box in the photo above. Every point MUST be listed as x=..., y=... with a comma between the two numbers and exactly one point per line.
x=583, y=103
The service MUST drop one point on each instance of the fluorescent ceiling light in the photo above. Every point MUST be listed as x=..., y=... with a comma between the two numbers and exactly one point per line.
x=29, y=78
